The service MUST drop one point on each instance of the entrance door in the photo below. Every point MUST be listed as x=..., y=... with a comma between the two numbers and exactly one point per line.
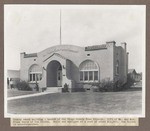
x=59, y=78
x=54, y=74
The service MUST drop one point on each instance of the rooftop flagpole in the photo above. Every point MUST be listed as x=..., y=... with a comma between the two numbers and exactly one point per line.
x=60, y=27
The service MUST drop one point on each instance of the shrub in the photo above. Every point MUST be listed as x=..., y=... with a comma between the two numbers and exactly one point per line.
x=106, y=86
x=23, y=85
x=65, y=89
x=78, y=90
x=37, y=86
x=129, y=83
x=95, y=88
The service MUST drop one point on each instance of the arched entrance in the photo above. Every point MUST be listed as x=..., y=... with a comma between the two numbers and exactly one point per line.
x=54, y=74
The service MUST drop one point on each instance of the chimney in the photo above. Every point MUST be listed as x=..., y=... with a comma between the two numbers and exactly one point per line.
x=123, y=45
x=110, y=43
x=22, y=54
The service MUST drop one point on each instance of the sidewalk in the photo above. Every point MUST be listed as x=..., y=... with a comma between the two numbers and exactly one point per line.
x=29, y=95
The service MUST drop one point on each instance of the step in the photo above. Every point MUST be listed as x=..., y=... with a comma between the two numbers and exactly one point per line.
x=53, y=89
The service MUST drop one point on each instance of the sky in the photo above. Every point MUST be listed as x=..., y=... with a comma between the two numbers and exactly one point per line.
x=33, y=28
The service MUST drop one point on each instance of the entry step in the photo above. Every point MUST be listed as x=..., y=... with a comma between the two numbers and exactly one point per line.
x=53, y=89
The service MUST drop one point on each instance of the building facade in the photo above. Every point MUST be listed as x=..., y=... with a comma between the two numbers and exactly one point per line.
x=73, y=65
x=13, y=76
x=136, y=77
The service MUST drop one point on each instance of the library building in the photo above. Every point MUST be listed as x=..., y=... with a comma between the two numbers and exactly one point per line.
x=74, y=66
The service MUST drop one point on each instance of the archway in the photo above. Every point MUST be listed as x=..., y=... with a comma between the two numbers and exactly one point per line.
x=54, y=74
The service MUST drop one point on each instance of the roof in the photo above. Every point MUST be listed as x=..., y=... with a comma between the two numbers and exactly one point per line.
x=30, y=55
x=96, y=47
x=56, y=55
x=131, y=70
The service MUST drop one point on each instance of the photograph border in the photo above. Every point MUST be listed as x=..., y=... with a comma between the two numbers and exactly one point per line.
x=142, y=115
x=143, y=121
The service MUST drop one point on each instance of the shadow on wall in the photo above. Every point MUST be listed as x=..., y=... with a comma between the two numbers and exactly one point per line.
x=74, y=72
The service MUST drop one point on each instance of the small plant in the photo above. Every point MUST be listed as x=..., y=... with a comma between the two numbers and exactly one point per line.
x=106, y=86
x=129, y=83
x=37, y=86
x=23, y=85
x=65, y=89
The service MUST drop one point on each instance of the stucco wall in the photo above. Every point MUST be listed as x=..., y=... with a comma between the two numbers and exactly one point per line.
x=121, y=56
x=71, y=57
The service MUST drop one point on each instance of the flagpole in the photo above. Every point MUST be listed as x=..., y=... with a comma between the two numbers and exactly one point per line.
x=60, y=27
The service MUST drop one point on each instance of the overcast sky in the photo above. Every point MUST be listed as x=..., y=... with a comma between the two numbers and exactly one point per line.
x=33, y=28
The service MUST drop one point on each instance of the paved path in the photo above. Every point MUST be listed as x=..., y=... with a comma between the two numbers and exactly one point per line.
x=29, y=95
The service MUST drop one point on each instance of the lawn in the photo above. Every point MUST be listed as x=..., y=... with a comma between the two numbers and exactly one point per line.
x=15, y=92
x=127, y=102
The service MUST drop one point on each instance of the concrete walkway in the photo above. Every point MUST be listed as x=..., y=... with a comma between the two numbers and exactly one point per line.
x=30, y=95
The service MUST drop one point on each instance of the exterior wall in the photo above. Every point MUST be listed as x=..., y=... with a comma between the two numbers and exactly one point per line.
x=25, y=65
x=121, y=56
x=70, y=57
x=68, y=69
x=63, y=62
x=77, y=55
x=13, y=76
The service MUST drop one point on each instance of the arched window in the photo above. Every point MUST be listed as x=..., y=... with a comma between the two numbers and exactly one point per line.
x=35, y=73
x=88, y=71
x=117, y=67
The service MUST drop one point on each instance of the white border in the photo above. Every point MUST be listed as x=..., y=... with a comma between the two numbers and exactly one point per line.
x=7, y=115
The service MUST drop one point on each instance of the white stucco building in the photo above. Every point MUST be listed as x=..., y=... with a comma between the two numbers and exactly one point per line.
x=74, y=65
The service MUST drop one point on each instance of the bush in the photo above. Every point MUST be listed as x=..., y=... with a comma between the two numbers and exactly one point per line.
x=23, y=85
x=129, y=83
x=106, y=86
x=78, y=90
x=37, y=86
x=95, y=88
x=65, y=89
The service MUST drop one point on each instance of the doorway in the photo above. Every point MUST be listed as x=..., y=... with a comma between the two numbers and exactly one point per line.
x=54, y=74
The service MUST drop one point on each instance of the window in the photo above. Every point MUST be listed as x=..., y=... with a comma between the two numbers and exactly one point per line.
x=90, y=75
x=85, y=75
x=88, y=71
x=117, y=67
x=95, y=75
x=81, y=75
x=30, y=77
x=35, y=77
x=35, y=73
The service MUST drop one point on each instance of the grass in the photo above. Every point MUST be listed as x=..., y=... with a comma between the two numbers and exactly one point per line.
x=15, y=92
x=127, y=102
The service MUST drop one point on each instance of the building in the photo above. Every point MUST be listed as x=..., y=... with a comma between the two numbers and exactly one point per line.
x=134, y=75
x=13, y=76
x=75, y=66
